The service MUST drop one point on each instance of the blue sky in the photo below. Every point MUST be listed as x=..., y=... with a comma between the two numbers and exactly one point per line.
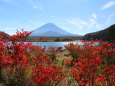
x=75, y=16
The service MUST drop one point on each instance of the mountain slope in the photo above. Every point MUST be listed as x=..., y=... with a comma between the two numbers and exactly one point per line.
x=4, y=35
x=107, y=34
x=51, y=30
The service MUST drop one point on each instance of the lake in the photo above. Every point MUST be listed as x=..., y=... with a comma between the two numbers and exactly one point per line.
x=54, y=44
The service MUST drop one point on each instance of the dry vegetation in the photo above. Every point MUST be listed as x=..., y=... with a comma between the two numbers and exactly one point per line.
x=78, y=65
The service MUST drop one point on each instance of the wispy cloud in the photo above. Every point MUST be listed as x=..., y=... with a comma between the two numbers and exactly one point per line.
x=83, y=24
x=109, y=19
x=35, y=5
x=108, y=5
x=94, y=24
x=38, y=7
x=94, y=15
x=78, y=22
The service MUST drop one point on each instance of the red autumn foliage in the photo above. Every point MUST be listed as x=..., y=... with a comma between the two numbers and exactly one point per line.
x=20, y=56
x=95, y=67
x=93, y=64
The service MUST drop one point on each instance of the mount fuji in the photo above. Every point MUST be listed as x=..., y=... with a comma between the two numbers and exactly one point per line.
x=51, y=30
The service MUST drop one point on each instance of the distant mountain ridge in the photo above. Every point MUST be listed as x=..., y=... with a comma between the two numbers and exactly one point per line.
x=51, y=30
x=107, y=34
x=4, y=35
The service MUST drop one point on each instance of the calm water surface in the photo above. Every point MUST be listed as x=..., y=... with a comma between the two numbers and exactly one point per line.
x=54, y=44
x=57, y=44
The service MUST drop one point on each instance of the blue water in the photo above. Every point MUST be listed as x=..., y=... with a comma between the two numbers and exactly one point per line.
x=54, y=44
x=57, y=44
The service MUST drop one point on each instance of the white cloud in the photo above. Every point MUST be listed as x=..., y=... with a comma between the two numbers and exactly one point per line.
x=77, y=21
x=94, y=23
x=38, y=6
x=81, y=27
x=35, y=5
x=109, y=19
x=108, y=5
x=98, y=26
x=94, y=15
x=41, y=8
x=83, y=24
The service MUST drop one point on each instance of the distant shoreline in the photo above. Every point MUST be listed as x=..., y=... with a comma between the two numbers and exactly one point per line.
x=52, y=39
